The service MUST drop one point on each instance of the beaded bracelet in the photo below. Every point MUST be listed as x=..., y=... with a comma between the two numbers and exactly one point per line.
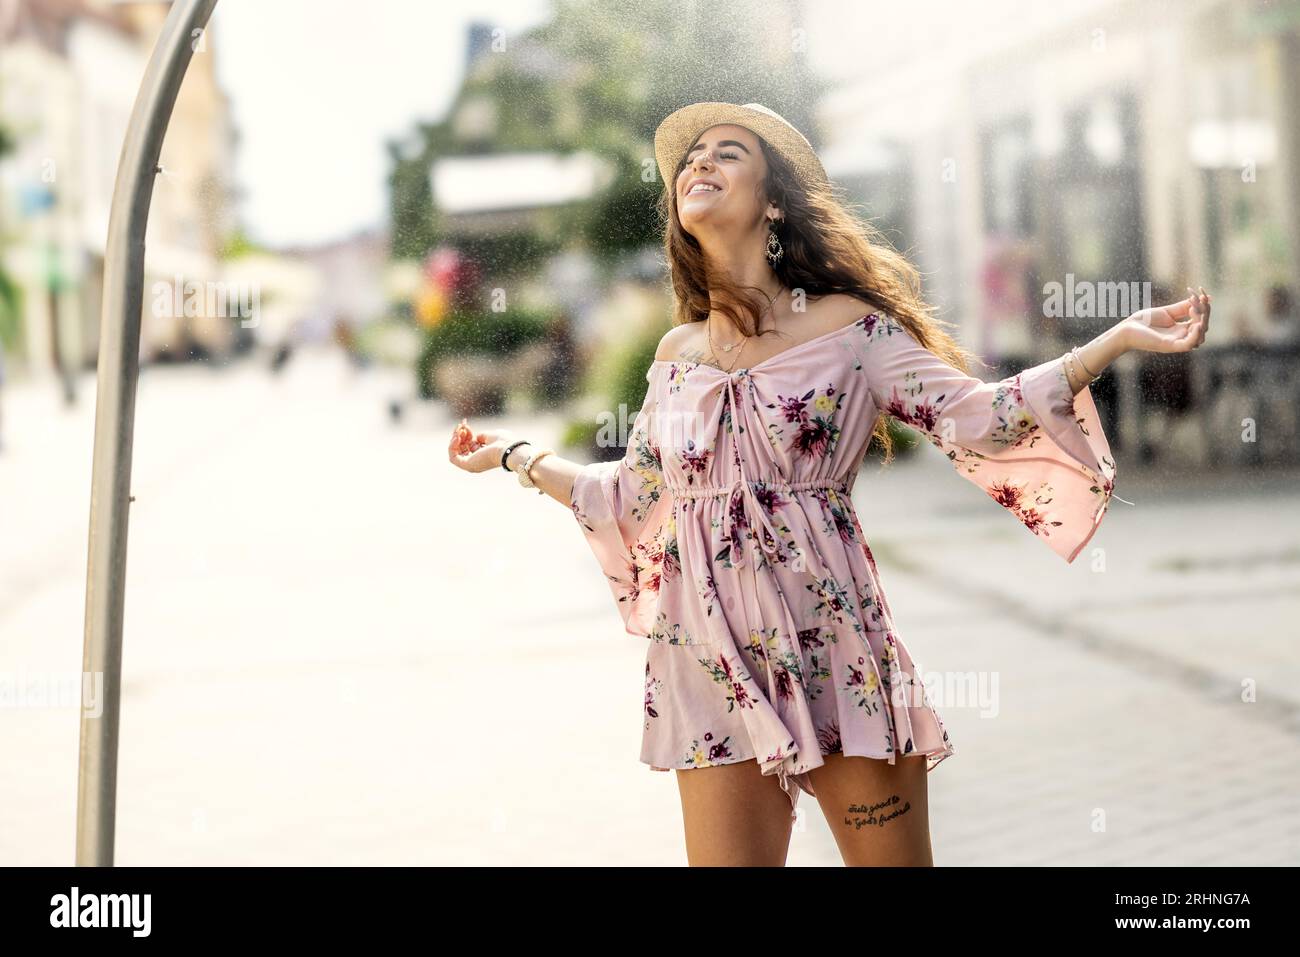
x=1079, y=359
x=525, y=478
x=1071, y=358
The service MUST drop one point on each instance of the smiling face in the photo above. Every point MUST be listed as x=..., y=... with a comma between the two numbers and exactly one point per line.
x=720, y=187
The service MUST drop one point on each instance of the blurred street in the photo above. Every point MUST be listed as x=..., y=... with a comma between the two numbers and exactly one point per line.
x=341, y=650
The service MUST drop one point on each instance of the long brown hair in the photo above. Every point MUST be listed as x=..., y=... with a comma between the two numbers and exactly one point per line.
x=828, y=250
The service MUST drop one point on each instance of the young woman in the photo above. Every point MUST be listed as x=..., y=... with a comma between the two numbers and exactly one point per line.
x=727, y=532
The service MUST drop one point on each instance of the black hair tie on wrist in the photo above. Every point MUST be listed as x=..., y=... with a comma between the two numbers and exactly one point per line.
x=511, y=448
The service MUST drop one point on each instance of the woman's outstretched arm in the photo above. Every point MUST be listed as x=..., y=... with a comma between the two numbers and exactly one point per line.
x=1180, y=327
x=552, y=474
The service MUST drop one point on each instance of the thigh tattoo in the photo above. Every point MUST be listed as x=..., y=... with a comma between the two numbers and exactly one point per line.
x=879, y=814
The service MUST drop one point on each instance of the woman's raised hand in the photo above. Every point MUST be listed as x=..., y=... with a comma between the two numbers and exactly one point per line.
x=477, y=451
x=1180, y=327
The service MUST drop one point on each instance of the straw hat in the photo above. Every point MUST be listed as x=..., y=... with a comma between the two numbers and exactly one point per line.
x=679, y=129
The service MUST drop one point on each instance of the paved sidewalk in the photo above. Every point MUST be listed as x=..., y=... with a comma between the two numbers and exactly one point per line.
x=1120, y=735
x=335, y=654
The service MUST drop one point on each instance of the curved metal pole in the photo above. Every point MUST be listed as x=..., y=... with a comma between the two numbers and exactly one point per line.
x=118, y=373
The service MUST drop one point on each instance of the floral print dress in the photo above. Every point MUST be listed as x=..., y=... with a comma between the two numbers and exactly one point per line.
x=729, y=540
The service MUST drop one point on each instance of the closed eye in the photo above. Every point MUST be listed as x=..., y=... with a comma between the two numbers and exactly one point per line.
x=724, y=155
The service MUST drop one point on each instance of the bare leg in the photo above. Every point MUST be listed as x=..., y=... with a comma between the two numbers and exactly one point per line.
x=734, y=816
x=878, y=812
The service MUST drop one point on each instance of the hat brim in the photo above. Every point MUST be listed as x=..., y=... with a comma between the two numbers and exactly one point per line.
x=680, y=129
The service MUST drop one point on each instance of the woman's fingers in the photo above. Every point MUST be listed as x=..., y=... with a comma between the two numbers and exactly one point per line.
x=1177, y=327
x=457, y=455
x=1200, y=300
x=1179, y=337
x=1202, y=314
x=463, y=444
x=1179, y=309
x=1193, y=335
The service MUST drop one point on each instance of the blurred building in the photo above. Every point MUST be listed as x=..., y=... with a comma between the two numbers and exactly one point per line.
x=352, y=278
x=520, y=194
x=509, y=184
x=1090, y=143
x=508, y=192
x=288, y=293
x=69, y=74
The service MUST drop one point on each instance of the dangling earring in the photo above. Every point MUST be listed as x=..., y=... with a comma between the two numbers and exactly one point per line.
x=774, y=248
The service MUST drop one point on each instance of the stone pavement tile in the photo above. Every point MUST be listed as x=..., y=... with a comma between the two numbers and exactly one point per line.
x=1065, y=738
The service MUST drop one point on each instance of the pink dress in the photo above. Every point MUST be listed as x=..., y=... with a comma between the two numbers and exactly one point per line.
x=729, y=540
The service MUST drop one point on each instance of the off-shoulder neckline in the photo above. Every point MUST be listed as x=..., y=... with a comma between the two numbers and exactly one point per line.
x=780, y=355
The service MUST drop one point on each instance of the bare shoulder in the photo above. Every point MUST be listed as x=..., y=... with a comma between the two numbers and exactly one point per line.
x=839, y=309
x=677, y=342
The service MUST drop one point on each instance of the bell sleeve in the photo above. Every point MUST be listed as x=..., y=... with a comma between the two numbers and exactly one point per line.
x=1036, y=449
x=625, y=513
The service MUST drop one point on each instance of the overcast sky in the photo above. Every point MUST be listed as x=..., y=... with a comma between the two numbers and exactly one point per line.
x=317, y=86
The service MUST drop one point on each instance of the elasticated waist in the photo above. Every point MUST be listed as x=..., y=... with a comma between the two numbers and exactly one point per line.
x=708, y=491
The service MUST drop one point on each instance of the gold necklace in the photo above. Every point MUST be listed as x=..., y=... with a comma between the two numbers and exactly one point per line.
x=731, y=345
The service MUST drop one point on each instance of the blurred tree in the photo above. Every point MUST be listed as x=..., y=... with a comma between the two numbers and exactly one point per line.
x=640, y=60
x=10, y=293
x=413, y=221
x=10, y=310
x=238, y=244
x=599, y=77
x=622, y=379
x=460, y=331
